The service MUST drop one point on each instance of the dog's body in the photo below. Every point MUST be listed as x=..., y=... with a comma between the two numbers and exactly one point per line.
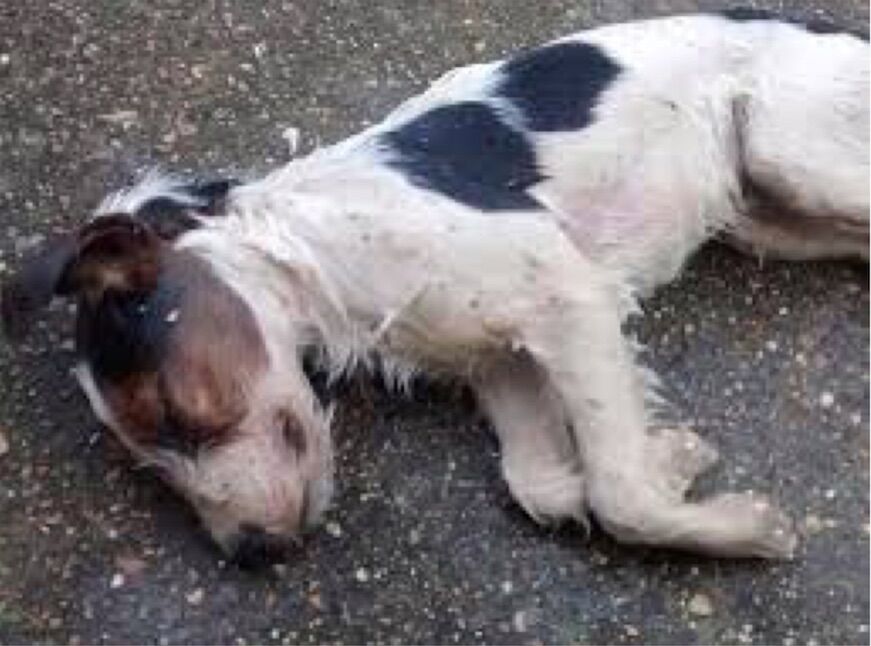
x=498, y=227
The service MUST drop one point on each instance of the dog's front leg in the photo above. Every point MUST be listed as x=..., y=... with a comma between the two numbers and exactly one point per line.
x=576, y=336
x=540, y=462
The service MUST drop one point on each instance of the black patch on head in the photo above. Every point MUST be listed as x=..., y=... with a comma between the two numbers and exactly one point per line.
x=814, y=25
x=466, y=152
x=169, y=217
x=126, y=332
x=557, y=87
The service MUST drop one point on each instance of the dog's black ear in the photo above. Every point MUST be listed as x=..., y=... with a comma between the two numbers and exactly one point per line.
x=112, y=252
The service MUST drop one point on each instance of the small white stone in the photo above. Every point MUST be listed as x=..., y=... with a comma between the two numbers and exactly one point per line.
x=292, y=136
x=195, y=597
x=507, y=587
x=771, y=346
x=361, y=574
x=117, y=581
x=827, y=399
x=700, y=605
x=334, y=529
x=631, y=631
x=172, y=316
x=813, y=524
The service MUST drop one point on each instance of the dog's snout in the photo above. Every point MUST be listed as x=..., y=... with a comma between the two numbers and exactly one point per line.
x=256, y=548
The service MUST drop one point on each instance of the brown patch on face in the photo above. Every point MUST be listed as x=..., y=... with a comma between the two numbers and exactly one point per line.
x=203, y=352
x=214, y=355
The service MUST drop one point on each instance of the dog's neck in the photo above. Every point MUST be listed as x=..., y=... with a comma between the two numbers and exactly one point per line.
x=303, y=255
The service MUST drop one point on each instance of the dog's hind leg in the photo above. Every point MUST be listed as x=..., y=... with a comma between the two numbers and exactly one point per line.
x=540, y=462
x=802, y=138
x=680, y=455
x=576, y=336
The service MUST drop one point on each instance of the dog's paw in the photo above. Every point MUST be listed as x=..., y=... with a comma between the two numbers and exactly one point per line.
x=549, y=498
x=680, y=456
x=760, y=528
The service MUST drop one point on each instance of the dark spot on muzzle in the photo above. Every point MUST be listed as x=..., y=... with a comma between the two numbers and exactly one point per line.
x=256, y=549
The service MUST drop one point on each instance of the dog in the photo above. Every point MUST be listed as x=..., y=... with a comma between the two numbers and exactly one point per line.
x=497, y=228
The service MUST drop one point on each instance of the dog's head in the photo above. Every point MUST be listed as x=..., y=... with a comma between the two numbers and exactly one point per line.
x=178, y=364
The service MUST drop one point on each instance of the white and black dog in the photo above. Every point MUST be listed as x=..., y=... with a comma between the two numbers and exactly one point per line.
x=499, y=228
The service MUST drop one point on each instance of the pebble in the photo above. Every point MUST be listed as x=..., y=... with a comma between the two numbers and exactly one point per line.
x=361, y=574
x=280, y=569
x=316, y=601
x=117, y=581
x=631, y=631
x=813, y=524
x=334, y=529
x=700, y=605
x=827, y=399
x=130, y=565
x=195, y=597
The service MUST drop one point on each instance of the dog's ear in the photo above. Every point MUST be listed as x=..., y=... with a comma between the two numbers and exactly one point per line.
x=115, y=252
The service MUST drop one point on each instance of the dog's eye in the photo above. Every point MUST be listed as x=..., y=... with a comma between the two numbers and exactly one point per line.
x=292, y=432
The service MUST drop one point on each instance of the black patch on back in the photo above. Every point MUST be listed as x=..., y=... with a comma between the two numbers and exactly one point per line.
x=466, y=152
x=557, y=87
x=169, y=217
x=814, y=26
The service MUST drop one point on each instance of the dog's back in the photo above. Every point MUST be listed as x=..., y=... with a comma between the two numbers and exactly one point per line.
x=646, y=138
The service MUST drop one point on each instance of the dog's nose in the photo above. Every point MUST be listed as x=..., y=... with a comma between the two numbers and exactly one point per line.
x=256, y=548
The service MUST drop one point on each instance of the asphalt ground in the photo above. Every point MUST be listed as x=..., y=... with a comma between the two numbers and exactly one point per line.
x=770, y=362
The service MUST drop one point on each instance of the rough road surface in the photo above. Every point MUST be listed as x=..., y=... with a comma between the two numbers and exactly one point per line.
x=424, y=545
